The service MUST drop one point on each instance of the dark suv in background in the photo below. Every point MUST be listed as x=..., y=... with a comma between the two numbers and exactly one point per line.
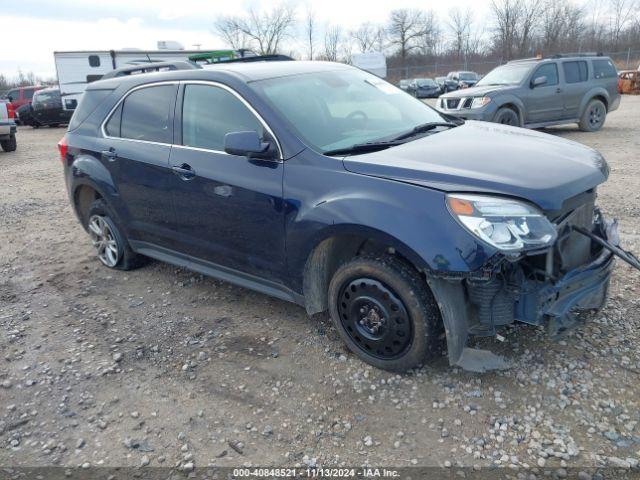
x=324, y=185
x=538, y=92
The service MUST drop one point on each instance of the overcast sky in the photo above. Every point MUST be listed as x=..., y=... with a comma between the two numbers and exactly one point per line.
x=33, y=29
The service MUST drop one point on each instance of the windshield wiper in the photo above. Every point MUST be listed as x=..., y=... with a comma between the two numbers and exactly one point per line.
x=362, y=148
x=425, y=127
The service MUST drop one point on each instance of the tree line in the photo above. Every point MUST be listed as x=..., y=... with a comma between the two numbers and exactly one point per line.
x=515, y=29
x=22, y=79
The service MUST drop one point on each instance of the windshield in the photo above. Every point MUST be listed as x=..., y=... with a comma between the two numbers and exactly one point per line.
x=426, y=82
x=506, y=75
x=467, y=76
x=341, y=108
x=47, y=96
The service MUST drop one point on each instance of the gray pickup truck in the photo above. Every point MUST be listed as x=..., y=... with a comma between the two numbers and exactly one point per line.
x=540, y=92
x=7, y=127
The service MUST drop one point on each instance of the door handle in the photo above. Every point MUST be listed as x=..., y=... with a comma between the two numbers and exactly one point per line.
x=184, y=171
x=110, y=154
x=558, y=90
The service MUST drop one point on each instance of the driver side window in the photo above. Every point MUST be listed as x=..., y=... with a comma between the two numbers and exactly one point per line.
x=549, y=70
x=209, y=113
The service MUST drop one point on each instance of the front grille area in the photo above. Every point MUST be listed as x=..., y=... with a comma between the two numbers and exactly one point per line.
x=452, y=103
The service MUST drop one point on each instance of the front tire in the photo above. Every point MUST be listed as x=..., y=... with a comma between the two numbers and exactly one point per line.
x=112, y=247
x=593, y=116
x=385, y=313
x=10, y=144
x=507, y=116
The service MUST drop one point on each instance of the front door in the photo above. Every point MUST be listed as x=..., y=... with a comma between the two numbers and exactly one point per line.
x=135, y=150
x=229, y=208
x=543, y=103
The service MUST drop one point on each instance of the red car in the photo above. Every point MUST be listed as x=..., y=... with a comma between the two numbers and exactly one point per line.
x=21, y=95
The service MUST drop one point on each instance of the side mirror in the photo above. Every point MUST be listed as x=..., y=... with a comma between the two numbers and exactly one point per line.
x=538, y=81
x=248, y=144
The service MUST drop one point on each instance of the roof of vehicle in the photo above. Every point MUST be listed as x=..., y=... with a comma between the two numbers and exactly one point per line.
x=568, y=56
x=48, y=89
x=247, y=72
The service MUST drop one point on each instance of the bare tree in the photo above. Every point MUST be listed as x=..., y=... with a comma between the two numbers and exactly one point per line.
x=310, y=30
x=405, y=28
x=460, y=25
x=365, y=37
x=429, y=41
x=227, y=28
x=529, y=19
x=507, y=14
x=263, y=30
x=332, y=40
x=621, y=14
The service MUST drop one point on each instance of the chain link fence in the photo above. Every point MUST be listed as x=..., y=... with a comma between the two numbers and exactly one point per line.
x=624, y=60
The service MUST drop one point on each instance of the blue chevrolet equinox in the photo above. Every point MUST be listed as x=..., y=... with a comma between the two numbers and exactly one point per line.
x=324, y=185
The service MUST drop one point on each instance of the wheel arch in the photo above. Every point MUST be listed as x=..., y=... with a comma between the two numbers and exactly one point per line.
x=339, y=244
x=513, y=103
x=598, y=93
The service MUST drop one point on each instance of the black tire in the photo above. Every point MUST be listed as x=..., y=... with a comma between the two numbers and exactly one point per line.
x=385, y=313
x=124, y=258
x=507, y=116
x=10, y=144
x=593, y=116
x=54, y=125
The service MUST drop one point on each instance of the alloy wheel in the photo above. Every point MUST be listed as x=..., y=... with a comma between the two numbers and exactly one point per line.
x=375, y=318
x=104, y=241
x=595, y=115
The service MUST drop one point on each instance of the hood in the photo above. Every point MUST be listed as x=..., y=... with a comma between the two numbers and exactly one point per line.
x=490, y=158
x=479, y=91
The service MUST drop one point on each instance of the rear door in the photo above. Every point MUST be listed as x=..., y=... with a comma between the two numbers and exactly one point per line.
x=229, y=209
x=576, y=74
x=135, y=148
x=543, y=103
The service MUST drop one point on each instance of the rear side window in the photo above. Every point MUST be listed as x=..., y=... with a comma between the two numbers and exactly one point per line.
x=604, y=69
x=575, y=72
x=14, y=94
x=146, y=114
x=28, y=93
x=549, y=70
x=94, y=60
x=209, y=113
x=89, y=101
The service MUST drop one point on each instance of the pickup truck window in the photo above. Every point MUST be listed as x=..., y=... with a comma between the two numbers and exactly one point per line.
x=209, y=113
x=575, y=72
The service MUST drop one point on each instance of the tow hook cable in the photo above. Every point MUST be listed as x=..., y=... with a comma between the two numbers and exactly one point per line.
x=625, y=255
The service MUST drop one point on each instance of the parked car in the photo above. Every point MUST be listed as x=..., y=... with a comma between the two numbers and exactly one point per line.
x=629, y=82
x=446, y=84
x=424, y=88
x=46, y=108
x=324, y=185
x=462, y=79
x=536, y=93
x=24, y=116
x=7, y=127
x=21, y=95
x=404, y=84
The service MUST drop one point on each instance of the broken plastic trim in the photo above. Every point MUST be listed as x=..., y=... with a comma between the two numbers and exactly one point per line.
x=625, y=255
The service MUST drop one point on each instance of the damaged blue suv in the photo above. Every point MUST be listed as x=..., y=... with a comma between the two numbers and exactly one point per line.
x=326, y=186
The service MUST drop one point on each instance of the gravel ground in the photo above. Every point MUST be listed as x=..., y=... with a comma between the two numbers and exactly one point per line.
x=164, y=367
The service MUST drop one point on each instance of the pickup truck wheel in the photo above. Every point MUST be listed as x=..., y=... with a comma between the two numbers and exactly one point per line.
x=593, y=116
x=507, y=116
x=110, y=243
x=385, y=313
x=10, y=144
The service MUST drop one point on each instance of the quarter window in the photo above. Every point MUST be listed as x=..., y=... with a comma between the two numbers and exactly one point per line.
x=549, y=70
x=146, y=115
x=575, y=72
x=604, y=69
x=209, y=113
x=94, y=60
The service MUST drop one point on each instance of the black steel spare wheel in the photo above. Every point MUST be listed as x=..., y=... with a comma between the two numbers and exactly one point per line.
x=375, y=318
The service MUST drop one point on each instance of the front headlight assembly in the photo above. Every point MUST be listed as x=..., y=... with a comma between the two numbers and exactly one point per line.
x=479, y=102
x=509, y=225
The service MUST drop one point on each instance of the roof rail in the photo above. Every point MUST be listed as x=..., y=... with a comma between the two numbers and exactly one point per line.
x=150, y=67
x=530, y=59
x=582, y=54
x=256, y=58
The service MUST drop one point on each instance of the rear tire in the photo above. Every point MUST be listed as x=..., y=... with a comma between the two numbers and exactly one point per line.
x=507, y=116
x=385, y=313
x=593, y=116
x=10, y=144
x=108, y=238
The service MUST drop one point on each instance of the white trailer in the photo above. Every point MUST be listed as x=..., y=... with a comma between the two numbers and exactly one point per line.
x=78, y=68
